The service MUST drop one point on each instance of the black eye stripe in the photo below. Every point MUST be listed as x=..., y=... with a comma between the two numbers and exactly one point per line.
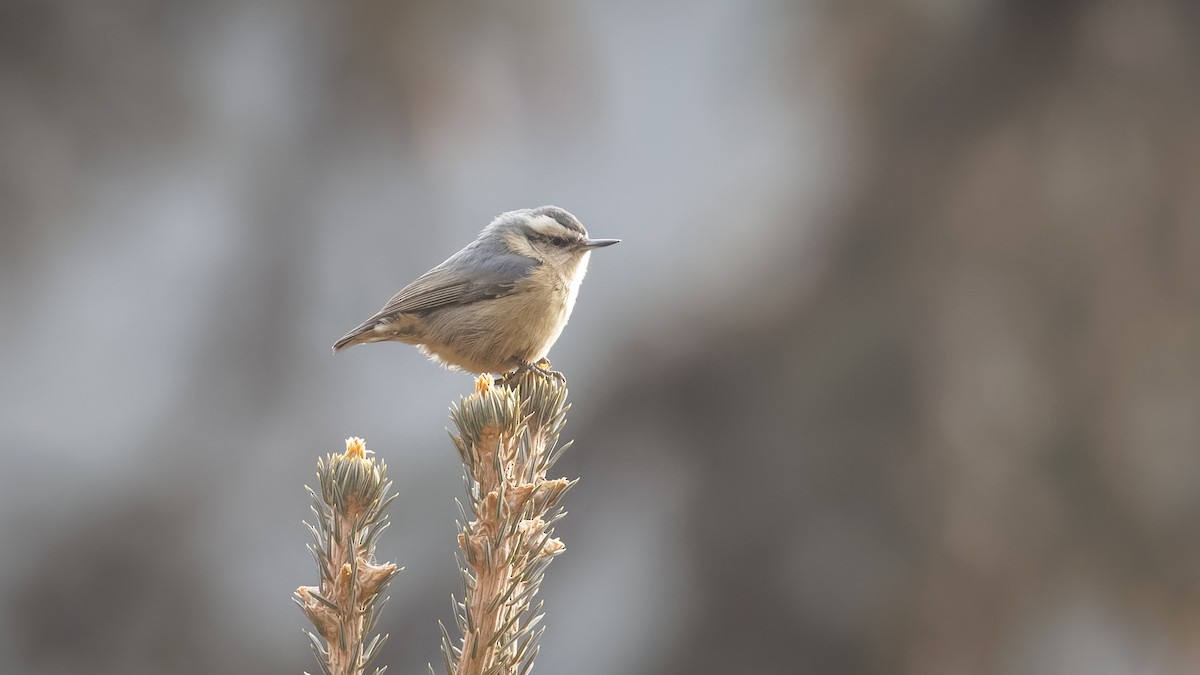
x=534, y=235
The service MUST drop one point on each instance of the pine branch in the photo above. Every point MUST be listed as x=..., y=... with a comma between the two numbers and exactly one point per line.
x=506, y=439
x=349, y=517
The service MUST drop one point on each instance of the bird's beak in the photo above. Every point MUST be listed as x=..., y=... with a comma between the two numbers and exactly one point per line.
x=600, y=243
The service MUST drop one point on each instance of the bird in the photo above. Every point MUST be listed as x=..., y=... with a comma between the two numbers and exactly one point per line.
x=499, y=304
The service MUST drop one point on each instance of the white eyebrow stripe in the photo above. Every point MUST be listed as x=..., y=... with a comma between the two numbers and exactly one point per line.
x=550, y=227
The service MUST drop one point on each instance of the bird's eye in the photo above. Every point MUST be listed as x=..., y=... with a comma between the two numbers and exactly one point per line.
x=560, y=242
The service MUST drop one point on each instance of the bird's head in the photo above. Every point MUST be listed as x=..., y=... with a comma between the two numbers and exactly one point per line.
x=549, y=234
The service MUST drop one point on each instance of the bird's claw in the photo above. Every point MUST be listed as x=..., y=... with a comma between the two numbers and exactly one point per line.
x=541, y=368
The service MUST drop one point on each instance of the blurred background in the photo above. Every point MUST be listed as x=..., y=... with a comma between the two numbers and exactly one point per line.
x=896, y=371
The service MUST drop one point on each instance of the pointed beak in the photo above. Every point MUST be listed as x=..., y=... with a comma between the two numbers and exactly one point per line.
x=600, y=243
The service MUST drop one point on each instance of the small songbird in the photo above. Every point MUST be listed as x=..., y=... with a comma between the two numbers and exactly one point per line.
x=499, y=304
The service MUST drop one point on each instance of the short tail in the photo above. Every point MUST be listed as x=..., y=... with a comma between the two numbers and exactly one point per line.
x=354, y=337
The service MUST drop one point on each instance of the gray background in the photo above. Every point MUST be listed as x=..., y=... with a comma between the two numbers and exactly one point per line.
x=896, y=371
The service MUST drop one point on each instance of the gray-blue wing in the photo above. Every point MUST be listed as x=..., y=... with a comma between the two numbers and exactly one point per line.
x=478, y=272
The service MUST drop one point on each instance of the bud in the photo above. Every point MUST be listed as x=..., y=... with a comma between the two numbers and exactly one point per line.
x=351, y=482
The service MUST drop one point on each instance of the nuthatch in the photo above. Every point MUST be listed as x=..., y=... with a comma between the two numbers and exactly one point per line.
x=499, y=304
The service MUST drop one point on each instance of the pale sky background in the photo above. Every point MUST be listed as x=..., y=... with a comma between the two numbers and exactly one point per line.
x=895, y=371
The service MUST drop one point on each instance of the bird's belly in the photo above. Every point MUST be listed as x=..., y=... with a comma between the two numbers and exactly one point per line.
x=497, y=335
x=525, y=328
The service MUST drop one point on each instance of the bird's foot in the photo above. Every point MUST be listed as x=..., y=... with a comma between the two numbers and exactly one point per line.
x=541, y=369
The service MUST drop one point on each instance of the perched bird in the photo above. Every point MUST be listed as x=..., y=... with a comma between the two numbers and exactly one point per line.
x=499, y=304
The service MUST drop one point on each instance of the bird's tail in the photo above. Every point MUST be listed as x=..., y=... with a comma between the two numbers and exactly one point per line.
x=354, y=337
